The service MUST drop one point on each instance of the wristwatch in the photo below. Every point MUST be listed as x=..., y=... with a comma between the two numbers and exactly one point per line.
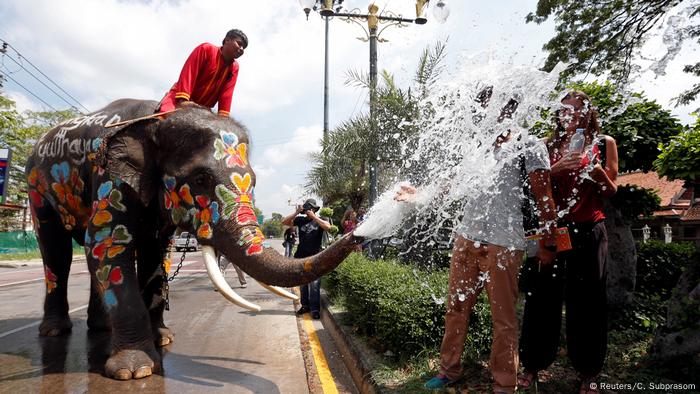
x=551, y=248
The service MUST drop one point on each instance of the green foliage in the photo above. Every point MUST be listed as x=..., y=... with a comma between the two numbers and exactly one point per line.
x=635, y=201
x=326, y=212
x=341, y=171
x=395, y=305
x=638, y=130
x=659, y=265
x=680, y=157
x=333, y=230
x=600, y=37
x=272, y=228
x=19, y=133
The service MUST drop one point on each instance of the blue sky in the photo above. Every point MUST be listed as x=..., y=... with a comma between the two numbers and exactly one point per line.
x=102, y=50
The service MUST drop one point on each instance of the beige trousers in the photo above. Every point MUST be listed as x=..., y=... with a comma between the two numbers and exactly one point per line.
x=471, y=270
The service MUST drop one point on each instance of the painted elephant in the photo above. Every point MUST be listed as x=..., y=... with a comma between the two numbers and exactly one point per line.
x=121, y=192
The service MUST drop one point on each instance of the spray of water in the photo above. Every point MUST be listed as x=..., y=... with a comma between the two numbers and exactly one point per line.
x=451, y=164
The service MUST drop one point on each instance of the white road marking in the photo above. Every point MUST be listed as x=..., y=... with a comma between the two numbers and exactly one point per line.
x=35, y=280
x=36, y=323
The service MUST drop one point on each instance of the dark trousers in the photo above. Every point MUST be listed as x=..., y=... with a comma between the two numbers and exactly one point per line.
x=310, y=292
x=311, y=295
x=578, y=278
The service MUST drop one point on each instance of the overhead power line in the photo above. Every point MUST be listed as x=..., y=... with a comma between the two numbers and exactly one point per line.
x=29, y=91
x=6, y=44
x=43, y=83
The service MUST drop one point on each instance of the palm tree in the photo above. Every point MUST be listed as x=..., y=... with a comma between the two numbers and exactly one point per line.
x=340, y=171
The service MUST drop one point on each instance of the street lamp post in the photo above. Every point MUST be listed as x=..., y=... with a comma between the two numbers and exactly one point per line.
x=668, y=234
x=646, y=232
x=373, y=18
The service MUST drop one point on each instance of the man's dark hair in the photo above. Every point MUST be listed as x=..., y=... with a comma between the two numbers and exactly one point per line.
x=235, y=33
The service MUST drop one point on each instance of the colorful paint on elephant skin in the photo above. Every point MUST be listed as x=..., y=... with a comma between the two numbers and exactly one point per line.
x=252, y=241
x=107, y=196
x=108, y=276
x=238, y=204
x=50, y=279
x=228, y=148
x=38, y=186
x=208, y=212
x=67, y=187
x=109, y=242
x=173, y=199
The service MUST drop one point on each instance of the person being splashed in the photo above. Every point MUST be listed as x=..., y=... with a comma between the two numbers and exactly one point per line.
x=488, y=250
x=584, y=170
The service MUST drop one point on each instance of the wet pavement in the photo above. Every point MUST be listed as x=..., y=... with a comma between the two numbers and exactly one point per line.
x=218, y=347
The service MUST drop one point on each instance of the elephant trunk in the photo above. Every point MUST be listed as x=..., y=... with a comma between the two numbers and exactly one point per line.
x=268, y=266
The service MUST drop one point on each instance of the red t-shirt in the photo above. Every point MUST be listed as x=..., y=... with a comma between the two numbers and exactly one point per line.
x=205, y=79
x=569, y=188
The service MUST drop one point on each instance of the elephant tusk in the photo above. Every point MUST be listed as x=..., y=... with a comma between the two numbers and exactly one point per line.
x=279, y=291
x=217, y=278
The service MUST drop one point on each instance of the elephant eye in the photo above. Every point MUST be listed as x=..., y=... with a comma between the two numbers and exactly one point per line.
x=200, y=179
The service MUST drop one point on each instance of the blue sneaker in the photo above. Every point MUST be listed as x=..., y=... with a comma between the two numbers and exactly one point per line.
x=437, y=382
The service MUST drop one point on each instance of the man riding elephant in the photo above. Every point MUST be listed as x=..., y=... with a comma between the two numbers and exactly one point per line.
x=121, y=192
x=208, y=76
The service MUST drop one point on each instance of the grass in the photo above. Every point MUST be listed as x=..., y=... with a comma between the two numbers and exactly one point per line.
x=34, y=254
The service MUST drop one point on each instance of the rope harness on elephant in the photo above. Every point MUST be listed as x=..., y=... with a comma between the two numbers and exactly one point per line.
x=166, y=287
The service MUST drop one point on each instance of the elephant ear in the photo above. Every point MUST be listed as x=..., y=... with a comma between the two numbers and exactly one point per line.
x=127, y=153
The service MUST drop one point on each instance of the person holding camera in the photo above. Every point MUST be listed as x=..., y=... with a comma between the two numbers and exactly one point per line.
x=311, y=228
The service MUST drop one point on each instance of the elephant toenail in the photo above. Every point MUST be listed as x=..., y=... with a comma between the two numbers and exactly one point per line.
x=142, y=372
x=122, y=374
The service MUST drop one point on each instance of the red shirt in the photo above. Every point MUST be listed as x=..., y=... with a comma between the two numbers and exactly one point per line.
x=205, y=79
x=569, y=188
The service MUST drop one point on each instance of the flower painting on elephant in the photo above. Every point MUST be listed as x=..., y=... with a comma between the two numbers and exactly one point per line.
x=228, y=148
x=68, y=188
x=177, y=202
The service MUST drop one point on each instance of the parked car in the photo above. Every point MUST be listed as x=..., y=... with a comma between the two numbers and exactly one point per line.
x=182, y=243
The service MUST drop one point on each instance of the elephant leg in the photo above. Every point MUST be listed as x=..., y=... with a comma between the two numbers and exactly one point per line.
x=98, y=318
x=56, y=248
x=112, y=258
x=151, y=277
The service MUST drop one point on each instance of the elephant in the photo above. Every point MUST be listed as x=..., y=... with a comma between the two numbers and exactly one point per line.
x=120, y=189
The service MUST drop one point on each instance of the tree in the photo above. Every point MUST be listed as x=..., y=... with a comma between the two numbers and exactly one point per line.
x=19, y=133
x=601, y=37
x=340, y=171
x=638, y=128
x=680, y=157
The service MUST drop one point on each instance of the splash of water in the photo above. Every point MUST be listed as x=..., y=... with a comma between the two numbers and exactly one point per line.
x=451, y=162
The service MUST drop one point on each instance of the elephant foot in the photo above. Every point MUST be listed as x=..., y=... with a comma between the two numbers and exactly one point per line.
x=163, y=336
x=132, y=364
x=53, y=327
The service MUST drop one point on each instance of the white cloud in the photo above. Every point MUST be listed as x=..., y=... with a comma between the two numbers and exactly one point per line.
x=22, y=102
x=304, y=140
x=102, y=50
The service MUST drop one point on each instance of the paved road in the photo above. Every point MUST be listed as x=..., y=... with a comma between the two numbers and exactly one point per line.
x=218, y=347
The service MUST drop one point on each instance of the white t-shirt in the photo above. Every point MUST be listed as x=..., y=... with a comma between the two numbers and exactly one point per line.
x=494, y=215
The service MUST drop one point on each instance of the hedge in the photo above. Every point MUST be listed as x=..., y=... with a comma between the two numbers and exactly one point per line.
x=659, y=266
x=402, y=308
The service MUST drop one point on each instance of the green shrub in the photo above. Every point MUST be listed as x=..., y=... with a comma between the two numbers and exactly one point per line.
x=401, y=308
x=659, y=265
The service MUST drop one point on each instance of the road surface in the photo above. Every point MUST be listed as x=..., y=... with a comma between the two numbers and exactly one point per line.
x=218, y=347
